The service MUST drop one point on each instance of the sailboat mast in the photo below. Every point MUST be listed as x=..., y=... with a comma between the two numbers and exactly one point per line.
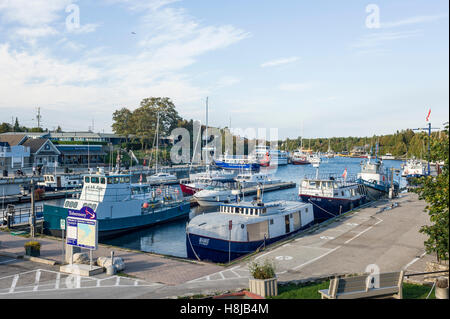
x=157, y=142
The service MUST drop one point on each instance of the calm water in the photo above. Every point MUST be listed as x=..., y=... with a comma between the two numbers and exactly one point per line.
x=169, y=239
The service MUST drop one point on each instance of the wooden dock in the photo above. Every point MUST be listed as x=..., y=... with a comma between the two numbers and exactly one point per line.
x=26, y=198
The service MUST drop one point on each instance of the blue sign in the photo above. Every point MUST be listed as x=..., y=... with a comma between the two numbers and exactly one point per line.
x=85, y=213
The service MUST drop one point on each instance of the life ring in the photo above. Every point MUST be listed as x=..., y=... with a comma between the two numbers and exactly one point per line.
x=158, y=191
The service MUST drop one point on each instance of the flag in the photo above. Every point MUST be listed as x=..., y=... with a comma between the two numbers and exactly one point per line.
x=133, y=157
x=140, y=179
x=428, y=116
x=344, y=175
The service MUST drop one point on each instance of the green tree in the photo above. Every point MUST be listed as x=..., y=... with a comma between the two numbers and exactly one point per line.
x=435, y=191
x=5, y=127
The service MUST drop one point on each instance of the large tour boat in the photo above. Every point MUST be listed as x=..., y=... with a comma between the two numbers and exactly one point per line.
x=119, y=205
x=55, y=182
x=242, y=228
x=199, y=181
x=237, y=162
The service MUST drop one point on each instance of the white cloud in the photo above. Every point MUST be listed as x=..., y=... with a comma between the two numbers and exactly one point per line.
x=279, y=62
x=295, y=87
x=376, y=39
x=85, y=28
x=413, y=20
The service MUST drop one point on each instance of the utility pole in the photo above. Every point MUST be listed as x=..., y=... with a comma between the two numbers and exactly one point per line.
x=39, y=117
x=33, y=212
x=429, y=128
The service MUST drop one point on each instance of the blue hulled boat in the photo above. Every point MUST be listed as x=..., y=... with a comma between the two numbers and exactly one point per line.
x=242, y=228
x=237, y=162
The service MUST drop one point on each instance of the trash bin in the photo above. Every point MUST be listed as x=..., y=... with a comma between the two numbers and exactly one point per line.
x=5, y=173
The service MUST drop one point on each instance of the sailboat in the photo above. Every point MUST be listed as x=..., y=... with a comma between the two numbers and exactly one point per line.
x=329, y=153
x=160, y=177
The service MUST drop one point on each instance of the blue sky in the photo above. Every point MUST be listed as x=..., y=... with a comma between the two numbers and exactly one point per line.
x=311, y=66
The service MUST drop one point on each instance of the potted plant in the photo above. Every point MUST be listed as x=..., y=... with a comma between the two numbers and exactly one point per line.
x=33, y=248
x=441, y=288
x=264, y=281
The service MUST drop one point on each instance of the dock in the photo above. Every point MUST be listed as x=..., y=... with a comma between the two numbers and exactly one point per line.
x=26, y=198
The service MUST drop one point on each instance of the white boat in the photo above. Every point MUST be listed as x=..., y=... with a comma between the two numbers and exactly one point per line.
x=413, y=168
x=54, y=182
x=161, y=178
x=242, y=228
x=388, y=156
x=249, y=179
x=376, y=178
x=217, y=193
x=314, y=159
x=200, y=181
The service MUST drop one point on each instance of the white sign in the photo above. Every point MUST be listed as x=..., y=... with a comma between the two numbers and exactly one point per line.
x=62, y=224
x=82, y=233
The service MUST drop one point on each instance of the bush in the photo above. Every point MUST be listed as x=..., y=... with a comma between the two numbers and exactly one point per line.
x=33, y=244
x=264, y=271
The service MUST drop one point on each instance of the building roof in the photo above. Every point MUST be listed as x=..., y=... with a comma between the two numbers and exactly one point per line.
x=12, y=139
x=35, y=144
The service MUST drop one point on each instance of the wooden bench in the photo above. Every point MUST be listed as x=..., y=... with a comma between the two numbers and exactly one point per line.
x=390, y=285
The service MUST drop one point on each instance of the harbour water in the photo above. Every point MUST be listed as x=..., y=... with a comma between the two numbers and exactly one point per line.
x=169, y=239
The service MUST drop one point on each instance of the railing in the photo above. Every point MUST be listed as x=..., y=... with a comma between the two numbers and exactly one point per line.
x=20, y=215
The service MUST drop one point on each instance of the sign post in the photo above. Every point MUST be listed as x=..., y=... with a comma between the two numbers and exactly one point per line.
x=230, y=227
x=82, y=229
x=63, y=227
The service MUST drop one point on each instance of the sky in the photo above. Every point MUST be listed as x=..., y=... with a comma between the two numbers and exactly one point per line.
x=312, y=68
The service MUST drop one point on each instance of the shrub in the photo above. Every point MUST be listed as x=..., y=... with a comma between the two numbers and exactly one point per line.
x=264, y=271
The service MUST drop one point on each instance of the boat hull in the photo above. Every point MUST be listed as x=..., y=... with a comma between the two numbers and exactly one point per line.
x=114, y=226
x=326, y=207
x=221, y=251
x=376, y=191
x=249, y=166
x=189, y=190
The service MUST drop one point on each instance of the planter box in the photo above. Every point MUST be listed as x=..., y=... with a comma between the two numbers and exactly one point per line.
x=264, y=287
x=29, y=251
x=441, y=293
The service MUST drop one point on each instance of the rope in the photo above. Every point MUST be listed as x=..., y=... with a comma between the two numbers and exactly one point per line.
x=431, y=290
x=192, y=247
x=309, y=200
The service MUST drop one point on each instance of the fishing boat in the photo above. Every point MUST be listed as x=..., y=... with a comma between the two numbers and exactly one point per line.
x=314, y=159
x=413, y=168
x=55, y=182
x=237, y=162
x=241, y=228
x=120, y=206
x=377, y=179
x=299, y=158
x=332, y=195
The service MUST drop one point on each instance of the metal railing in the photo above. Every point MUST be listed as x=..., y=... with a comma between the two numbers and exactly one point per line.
x=20, y=215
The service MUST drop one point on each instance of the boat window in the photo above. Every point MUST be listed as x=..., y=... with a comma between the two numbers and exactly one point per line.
x=251, y=211
x=116, y=180
x=256, y=211
x=342, y=193
x=102, y=180
x=127, y=179
x=312, y=183
x=290, y=215
x=263, y=211
x=94, y=180
x=86, y=179
x=271, y=222
x=240, y=210
x=306, y=209
x=110, y=180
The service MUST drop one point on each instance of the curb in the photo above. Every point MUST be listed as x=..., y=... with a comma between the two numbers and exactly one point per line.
x=11, y=255
x=40, y=260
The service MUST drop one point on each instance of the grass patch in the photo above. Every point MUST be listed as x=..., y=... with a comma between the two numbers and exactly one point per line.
x=301, y=291
x=414, y=291
x=311, y=291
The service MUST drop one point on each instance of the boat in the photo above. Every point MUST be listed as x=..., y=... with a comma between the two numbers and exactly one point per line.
x=55, y=182
x=241, y=228
x=388, y=156
x=249, y=179
x=120, y=206
x=218, y=192
x=413, y=168
x=199, y=181
x=329, y=153
x=237, y=162
x=299, y=158
x=331, y=196
x=377, y=179
x=314, y=159
x=160, y=177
